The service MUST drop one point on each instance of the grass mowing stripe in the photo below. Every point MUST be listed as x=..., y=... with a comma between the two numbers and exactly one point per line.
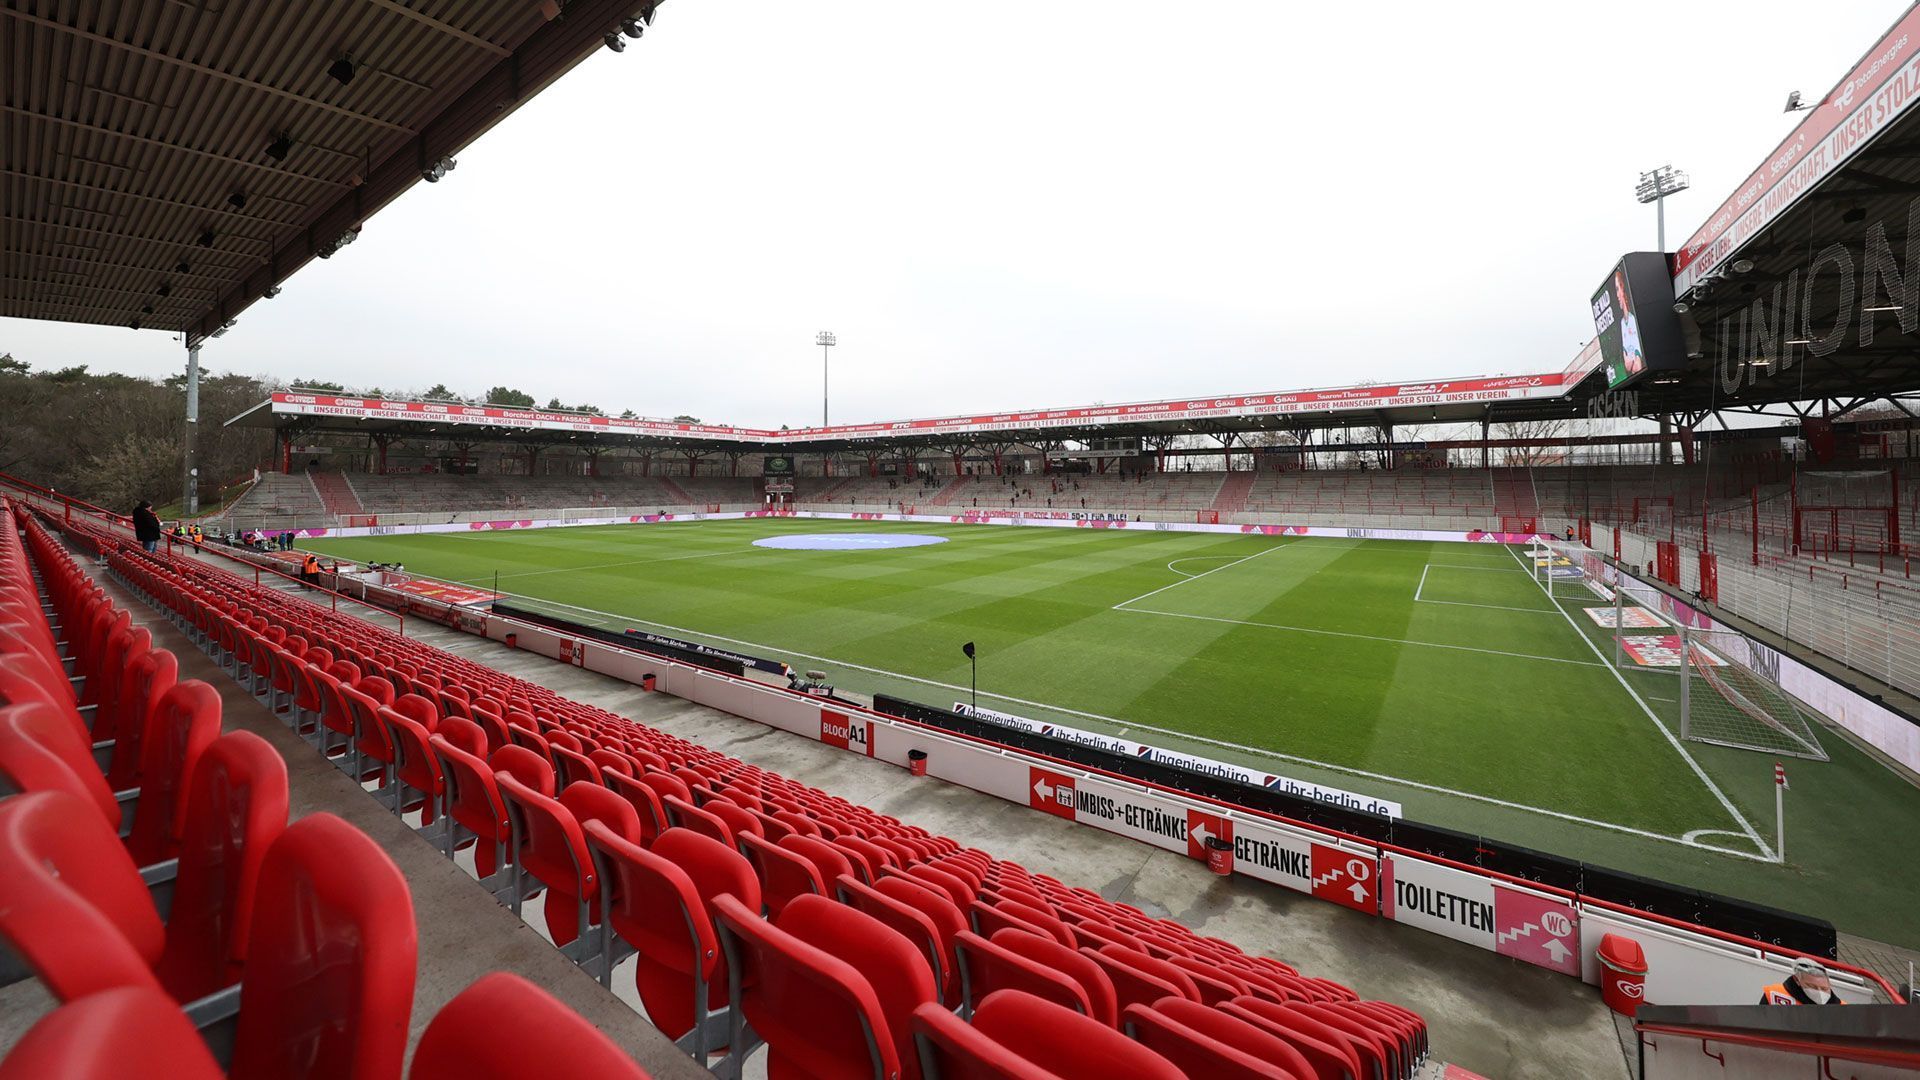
x=1361, y=637
x=1124, y=725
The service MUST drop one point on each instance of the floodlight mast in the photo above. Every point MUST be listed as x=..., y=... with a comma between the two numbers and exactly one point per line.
x=1654, y=187
x=826, y=340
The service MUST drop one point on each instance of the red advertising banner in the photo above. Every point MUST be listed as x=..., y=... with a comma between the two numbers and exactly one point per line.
x=445, y=592
x=1443, y=392
x=1878, y=90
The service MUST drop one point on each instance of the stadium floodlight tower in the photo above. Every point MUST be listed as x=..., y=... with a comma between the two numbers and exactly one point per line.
x=1654, y=188
x=826, y=340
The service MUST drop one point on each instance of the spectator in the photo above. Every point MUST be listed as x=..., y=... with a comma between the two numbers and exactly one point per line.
x=1808, y=985
x=146, y=526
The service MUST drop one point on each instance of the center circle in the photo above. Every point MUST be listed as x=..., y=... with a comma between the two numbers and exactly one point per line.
x=848, y=541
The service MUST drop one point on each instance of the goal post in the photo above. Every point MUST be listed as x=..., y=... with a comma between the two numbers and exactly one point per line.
x=1731, y=696
x=1567, y=570
x=1722, y=687
x=1846, y=510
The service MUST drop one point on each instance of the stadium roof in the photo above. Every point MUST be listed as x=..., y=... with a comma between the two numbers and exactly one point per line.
x=166, y=162
x=1795, y=284
x=1443, y=400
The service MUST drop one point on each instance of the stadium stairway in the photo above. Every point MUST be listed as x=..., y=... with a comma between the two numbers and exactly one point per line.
x=831, y=491
x=1513, y=495
x=674, y=489
x=337, y=494
x=955, y=487
x=1232, y=497
x=1487, y=1013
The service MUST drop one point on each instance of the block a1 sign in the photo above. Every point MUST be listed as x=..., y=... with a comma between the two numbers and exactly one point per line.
x=853, y=733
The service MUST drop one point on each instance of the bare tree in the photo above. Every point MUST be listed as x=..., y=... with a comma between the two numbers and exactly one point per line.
x=1533, y=430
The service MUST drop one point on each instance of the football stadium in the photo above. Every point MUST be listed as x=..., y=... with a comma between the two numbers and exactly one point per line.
x=1551, y=722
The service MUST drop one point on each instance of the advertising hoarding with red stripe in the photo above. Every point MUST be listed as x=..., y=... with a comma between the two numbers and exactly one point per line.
x=1441, y=392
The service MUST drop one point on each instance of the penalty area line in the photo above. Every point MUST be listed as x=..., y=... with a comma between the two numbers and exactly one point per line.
x=1188, y=736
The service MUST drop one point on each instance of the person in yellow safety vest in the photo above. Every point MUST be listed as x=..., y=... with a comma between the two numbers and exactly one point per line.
x=1808, y=985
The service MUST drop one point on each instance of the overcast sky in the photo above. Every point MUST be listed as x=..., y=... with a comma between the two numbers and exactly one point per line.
x=1051, y=203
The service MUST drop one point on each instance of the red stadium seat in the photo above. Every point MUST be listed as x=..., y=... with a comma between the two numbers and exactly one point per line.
x=1207, y=1042
x=831, y=990
x=474, y=804
x=1102, y=1003
x=1333, y=1053
x=236, y=809
x=946, y=919
x=951, y=1049
x=39, y=751
x=903, y=918
x=505, y=1028
x=685, y=815
x=1070, y=1045
x=661, y=905
x=131, y=1033
x=330, y=959
x=1133, y=985
x=986, y=967
x=72, y=905
x=153, y=674
x=783, y=872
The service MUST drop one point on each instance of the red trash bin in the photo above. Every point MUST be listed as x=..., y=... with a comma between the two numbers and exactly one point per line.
x=1219, y=855
x=647, y=682
x=917, y=762
x=1623, y=974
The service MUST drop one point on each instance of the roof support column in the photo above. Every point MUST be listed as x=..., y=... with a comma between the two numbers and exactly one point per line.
x=190, y=451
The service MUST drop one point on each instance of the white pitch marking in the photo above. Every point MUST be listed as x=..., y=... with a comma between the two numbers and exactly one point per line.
x=1766, y=852
x=1196, y=558
x=1200, y=575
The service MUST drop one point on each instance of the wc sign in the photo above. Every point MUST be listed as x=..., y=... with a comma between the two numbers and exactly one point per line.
x=846, y=732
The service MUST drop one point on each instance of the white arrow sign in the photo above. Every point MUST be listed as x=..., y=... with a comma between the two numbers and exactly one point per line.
x=1556, y=950
x=1043, y=789
x=1201, y=834
x=1359, y=892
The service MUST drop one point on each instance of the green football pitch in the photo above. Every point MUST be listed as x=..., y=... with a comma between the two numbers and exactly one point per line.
x=1438, y=675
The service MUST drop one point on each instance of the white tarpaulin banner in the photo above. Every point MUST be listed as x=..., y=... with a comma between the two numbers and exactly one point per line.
x=1304, y=789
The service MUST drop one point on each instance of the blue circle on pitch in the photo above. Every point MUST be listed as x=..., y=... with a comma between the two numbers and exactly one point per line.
x=848, y=541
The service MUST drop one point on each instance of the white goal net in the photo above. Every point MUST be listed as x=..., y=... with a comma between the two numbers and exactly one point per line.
x=1724, y=688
